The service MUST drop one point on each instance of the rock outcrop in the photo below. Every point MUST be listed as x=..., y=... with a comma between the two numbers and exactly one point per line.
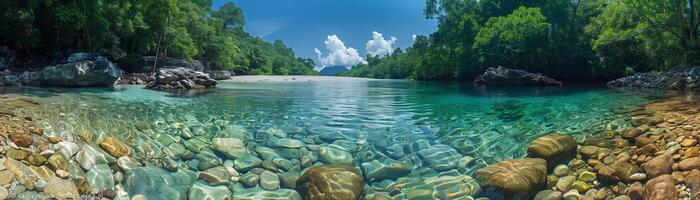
x=501, y=76
x=180, y=79
x=220, y=74
x=79, y=70
x=680, y=78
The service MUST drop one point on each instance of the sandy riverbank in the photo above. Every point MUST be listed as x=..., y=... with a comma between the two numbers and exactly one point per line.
x=271, y=78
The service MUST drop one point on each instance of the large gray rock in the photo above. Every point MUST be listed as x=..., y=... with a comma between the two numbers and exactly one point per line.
x=680, y=78
x=157, y=183
x=514, y=77
x=180, y=79
x=220, y=74
x=80, y=70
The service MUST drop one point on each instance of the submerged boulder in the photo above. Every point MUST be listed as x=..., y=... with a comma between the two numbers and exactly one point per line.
x=680, y=78
x=555, y=148
x=331, y=182
x=180, y=79
x=157, y=183
x=513, y=179
x=502, y=76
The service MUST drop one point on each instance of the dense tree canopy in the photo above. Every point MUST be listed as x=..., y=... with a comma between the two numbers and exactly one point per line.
x=129, y=29
x=569, y=39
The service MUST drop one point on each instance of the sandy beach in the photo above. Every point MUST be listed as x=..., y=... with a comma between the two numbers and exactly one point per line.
x=272, y=78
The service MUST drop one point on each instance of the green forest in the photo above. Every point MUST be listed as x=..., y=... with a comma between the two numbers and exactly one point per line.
x=127, y=30
x=566, y=39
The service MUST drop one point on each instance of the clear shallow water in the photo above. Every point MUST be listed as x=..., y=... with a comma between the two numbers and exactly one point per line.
x=391, y=119
x=493, y=123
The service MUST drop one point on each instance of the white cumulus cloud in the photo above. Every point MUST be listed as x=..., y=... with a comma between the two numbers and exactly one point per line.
x=378, y=46
x=338, y=53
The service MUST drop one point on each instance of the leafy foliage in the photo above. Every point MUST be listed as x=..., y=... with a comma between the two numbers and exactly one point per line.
x=129, y=29
x=569, y=39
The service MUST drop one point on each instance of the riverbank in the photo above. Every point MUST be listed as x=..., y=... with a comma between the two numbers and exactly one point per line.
x=291, y=78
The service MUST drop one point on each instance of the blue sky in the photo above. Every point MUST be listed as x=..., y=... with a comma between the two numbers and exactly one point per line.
x=306, y=24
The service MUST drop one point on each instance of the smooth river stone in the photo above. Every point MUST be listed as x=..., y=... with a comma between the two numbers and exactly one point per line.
x=207, y=159
x=58, y=161
x=231, y=147
x=157, y=183
x=6, y=177
x=660, y=188
x=517, y=178
x=61, y=189
x=266, y=153
x=17, y=154
x=331, y=182
x=22, y=172
x=659, y=166
x=440, y=157
x=125, y=163
x=555, y=148
x=115, y=147
x=100, y=177
x=257, y=193
x=378, y=171
x=176, y=151
x=330, y=155
x=689, y=164
x=202, y=191
x=285, y=143
x=269, y=181
x=196, y=145
x=90, y=156
x=234, y=131
x=246, y=162
x=216, y=176
x=36, y=159
x=21, y=140
x=443, y=187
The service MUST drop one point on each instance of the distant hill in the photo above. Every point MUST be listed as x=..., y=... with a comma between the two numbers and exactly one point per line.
x=333, y=70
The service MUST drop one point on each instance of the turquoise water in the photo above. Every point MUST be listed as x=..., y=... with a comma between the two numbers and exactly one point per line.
x=392, y=120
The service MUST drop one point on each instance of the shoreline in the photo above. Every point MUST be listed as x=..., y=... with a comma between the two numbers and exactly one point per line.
x=290, y=78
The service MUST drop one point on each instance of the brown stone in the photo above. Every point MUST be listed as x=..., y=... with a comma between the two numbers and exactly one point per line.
x=21, y=140
x=659, y=166
x=643, y=141
x=660, y=188
x=331, y=182
x=636, y=190
x=6, y=177
x=689, y=142
x=82, y=185
x=588, y=151
x=631, y=133
x=58, y=162
x=16, y=154
x=692, y=152
x=689, y=164
x=115, y=147
x=553, y=147
x=648, y=149
x=693, y=181
x=36, y=159
x=623, y=170
x=517, y=178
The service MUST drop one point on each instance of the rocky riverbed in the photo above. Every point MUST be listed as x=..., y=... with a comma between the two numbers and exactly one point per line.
x=188, y=157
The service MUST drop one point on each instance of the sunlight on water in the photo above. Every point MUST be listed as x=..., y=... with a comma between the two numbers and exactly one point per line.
x=387, y=121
